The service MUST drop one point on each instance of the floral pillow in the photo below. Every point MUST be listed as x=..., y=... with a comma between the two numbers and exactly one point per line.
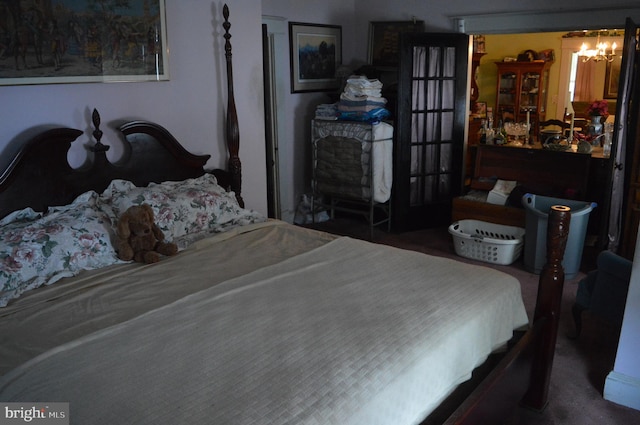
x=181, y=208
x=38, y=250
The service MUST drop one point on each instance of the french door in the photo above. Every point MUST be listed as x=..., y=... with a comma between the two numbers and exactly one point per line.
x=430, y=132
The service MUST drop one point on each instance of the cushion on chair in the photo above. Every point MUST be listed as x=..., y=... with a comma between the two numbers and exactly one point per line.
x=604, y=291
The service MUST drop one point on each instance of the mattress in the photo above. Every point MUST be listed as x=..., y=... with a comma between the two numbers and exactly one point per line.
x=331, y=330
x=353, y=159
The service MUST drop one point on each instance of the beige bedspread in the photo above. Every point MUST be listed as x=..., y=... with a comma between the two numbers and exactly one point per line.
x=346, y=332
x=49, y=316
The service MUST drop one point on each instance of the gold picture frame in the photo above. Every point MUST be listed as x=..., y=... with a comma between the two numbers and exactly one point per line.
x=384, y=40
x=612, y=78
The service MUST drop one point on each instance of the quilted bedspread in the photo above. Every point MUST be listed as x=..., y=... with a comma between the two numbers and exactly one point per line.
x=347, y=333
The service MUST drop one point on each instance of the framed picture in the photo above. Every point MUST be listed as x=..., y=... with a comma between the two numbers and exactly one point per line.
x=384, y=40
x=480, y=110
x=612, y=78
x=316, y=53
x=83, y=41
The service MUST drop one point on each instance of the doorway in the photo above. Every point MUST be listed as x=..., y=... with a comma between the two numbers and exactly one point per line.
x=611, y=231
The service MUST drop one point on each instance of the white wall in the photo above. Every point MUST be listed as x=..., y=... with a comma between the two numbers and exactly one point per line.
x=355, y=15
x=299, y=108
x=191, y=105
x=623, y=383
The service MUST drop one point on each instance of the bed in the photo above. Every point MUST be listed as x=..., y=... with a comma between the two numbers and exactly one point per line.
x=255, y=320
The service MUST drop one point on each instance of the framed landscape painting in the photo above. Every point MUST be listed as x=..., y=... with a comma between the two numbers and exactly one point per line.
x=316, y=53
x=82, y=41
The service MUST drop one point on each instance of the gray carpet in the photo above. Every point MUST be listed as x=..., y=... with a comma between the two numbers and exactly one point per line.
x=580, y=366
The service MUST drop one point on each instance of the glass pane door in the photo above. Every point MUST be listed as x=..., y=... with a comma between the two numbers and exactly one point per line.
x=507, y=96
x=529, y=92
x=431, y=123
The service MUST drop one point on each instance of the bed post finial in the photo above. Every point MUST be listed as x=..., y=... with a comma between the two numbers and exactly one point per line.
x=547, y=311
x=233, y=134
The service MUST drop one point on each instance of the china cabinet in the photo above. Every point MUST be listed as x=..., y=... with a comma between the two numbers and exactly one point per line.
x=521, y=91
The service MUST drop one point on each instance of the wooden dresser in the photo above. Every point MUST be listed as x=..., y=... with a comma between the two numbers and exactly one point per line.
x=544, y=172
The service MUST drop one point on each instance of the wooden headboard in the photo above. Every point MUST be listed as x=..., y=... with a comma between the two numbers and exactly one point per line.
x=39, y=174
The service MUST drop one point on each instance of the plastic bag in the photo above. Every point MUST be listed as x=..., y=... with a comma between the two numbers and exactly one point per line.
x=304, y=214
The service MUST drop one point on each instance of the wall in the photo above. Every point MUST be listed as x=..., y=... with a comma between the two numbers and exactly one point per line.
x=500, y=46
x=438, y=15
x=299, y=108
x=623, y=383
x=504, y=16
x=191, y=105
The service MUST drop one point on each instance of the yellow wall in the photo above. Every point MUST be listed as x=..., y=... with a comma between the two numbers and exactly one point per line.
x=499, y=46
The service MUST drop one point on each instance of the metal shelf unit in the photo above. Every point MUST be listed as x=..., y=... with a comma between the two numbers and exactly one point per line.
x=352, y=168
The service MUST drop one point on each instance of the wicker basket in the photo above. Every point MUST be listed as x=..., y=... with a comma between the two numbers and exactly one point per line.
x=492, y=243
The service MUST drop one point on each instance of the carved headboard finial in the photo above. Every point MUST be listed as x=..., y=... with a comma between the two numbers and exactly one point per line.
x=97, y=133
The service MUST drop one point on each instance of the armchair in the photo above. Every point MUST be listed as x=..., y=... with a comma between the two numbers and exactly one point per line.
x=604, y=290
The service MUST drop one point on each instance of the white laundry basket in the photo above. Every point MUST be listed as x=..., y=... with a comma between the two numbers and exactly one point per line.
x=492, y=243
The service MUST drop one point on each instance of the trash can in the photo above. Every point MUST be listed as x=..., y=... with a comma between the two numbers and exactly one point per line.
x=535, y=242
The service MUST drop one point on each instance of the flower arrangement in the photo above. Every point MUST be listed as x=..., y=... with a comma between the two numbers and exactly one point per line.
x=598, y=107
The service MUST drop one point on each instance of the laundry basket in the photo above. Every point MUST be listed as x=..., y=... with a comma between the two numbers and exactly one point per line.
x=488, y=242
x=537, y=215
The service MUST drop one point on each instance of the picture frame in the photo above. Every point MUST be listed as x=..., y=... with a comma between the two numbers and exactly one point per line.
x=612, y=78
x=78, y=41
x=384, y=40
x=315, y=55
x=480, y=110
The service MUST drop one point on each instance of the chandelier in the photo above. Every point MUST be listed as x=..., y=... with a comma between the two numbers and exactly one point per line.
x=601, y=52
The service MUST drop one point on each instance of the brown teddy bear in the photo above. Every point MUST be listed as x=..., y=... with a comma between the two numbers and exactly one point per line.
x=139, y=238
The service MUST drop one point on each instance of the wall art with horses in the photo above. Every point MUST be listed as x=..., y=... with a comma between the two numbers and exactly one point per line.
x=73, y=41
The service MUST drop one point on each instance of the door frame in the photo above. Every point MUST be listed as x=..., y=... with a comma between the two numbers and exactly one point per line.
x=546, y=21
x=623, y=220
x=275, y=71
x=531, y=22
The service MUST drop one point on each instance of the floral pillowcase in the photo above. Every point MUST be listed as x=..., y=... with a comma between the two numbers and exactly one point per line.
x=182, y=208
x=38, y=250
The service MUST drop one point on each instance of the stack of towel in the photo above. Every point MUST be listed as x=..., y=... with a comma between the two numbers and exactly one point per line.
x=362, y=100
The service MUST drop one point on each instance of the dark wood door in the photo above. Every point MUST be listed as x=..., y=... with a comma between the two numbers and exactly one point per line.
x=624, y=205
x=430, y=130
